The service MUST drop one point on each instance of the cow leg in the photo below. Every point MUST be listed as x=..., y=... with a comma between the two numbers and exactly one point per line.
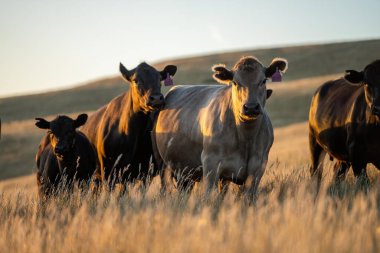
x=105, y=167
x=96, y=181
x=316, y=159
x=340, y=171
x=256, y=168
x=211, y=167
x=362, y=180
x=359, y=164
x=166, y=177
x=109, y=174
x=185, y=185
x=360, y=172
x=223, y=187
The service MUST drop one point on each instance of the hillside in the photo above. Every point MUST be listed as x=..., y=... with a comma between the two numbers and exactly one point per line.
x=309, y=66
x=304, y=62
x=288, y=104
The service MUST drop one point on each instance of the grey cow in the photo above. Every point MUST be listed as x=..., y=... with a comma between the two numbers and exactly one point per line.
x=218, y=132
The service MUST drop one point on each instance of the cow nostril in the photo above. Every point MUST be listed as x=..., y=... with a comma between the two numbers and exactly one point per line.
x=257, y=107
x=151, y=98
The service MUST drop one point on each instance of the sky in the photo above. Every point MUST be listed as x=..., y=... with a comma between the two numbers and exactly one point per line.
x=48, y=45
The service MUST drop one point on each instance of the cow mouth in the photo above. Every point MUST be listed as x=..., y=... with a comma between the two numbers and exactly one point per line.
x=60, y=156
x=249, y=117
x=155, y=106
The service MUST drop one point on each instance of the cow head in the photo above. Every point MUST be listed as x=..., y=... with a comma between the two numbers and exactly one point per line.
x=248, y=79
x=62, y=133
x=370, y=78
x=146, y=85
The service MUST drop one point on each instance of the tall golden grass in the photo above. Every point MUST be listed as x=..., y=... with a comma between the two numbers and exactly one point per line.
x=289, y=215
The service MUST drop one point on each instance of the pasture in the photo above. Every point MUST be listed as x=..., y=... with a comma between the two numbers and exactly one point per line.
x=289, y=214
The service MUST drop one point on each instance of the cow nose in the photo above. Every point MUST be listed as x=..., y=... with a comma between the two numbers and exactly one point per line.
x=156, y=100
x=153, y=98
x=251, y=110
x=59, y=150
x=376, y=110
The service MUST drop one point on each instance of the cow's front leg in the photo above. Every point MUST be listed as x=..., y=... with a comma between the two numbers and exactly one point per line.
x=166, y=176
x=256, y=168
x=359, y=163
x=340, y=171
x=211, y=171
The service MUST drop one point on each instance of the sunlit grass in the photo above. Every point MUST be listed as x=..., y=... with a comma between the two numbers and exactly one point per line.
x=288, y=215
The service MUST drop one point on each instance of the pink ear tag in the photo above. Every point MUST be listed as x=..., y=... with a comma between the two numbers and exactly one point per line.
x=277, y=77
x=168, y=80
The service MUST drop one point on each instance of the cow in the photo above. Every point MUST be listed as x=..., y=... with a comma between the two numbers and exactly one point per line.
x=218, y=132
x=344, y=123
x=65, y=155
x=121, y=130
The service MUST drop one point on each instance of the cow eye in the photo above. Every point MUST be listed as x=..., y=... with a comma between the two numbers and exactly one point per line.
x=264, y=81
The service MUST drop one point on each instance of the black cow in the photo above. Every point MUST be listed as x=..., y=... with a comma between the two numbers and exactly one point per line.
x=64, y=156
x=121, y=130
x=344, y=122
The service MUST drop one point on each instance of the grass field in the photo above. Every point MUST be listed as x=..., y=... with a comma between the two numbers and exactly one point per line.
x=289, y=214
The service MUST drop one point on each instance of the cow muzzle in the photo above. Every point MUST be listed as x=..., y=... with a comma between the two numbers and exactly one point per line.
x=61, y=151
x=156, y=101
x=375, y=110
x=251, y=110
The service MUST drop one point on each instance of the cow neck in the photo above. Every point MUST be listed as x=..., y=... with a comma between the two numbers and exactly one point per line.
x=363, y=113
x=134, y=117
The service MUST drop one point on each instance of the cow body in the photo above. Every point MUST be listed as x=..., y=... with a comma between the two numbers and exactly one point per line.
x=201, y=132
x=121, y=137
x=344, y=122
x=57, y=165
x=121, y=130
x=197, y=129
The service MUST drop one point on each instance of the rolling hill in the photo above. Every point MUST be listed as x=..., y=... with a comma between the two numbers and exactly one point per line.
x=309, y=66
x=304, y=62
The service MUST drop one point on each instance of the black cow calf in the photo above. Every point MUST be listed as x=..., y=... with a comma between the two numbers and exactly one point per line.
x=64, y=156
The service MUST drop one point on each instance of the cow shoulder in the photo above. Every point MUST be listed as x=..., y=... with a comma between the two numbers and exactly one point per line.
x=44, y=145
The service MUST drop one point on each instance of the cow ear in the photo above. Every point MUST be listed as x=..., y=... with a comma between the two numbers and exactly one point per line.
x=127, y=74
x=169, y=69
x=222, y=74
x=354, y=76
x=276, y=64
x=81, y=120
x=269, y=93
x=42, y=123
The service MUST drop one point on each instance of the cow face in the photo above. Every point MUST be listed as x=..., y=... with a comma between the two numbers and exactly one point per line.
x=370, y=78
x=248, y=79
x=146, y=85
x=61, y=131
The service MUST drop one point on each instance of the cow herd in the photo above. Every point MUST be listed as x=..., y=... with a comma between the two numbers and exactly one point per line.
x=215, y=133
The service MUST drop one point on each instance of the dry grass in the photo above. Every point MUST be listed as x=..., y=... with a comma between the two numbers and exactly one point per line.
x=288, y=215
